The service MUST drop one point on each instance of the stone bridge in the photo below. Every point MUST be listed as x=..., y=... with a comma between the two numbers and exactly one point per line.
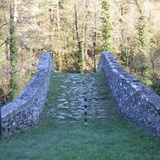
x=136, y=102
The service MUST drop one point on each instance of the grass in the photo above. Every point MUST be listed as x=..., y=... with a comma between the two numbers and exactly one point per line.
x=113, y=138
x=101, y=140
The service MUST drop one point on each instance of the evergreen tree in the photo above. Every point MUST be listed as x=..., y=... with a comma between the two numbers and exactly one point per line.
x=143, y=40
x=80, y=54
x=106, y=30
x=13, y=52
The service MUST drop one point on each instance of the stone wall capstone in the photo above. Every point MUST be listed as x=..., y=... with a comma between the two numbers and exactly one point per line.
x=24, y=111
x=137, y=102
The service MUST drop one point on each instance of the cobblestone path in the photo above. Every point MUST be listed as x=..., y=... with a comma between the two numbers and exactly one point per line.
x=67, y=92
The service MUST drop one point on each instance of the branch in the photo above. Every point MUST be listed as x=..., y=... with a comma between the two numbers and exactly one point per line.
x=139, y=7
x=4, y=25
x=6, y=41
x=156, y=54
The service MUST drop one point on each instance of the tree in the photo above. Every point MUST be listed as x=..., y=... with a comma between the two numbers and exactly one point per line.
x=59, y=36
x=80, y=53
x=106, y=30
x=13, y=51
x=143, y=41
x=76, y=32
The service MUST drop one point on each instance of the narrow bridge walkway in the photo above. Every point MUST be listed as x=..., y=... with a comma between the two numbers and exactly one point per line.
x=68, y=91
x=61, y=134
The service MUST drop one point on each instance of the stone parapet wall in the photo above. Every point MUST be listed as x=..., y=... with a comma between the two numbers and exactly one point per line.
x=137, y=102
x=24, y=111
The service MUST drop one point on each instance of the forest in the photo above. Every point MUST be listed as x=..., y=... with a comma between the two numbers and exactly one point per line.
x=76, y=32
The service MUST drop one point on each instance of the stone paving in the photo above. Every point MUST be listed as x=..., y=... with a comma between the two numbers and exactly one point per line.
x=68, y=91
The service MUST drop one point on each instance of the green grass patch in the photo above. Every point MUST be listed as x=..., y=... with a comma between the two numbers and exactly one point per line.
x=103, y=139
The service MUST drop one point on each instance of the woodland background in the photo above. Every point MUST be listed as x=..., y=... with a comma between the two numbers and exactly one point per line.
x=76, y=32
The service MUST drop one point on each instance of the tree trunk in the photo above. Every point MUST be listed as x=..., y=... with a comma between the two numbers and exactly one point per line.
x=95, y=41
x=13, y=52
x=106, y=25
x=15, y=14
x=84, y=34
x=79, y=43
x=59, y=38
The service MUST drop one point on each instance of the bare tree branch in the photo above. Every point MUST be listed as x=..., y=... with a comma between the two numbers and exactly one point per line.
x=6, y=41
x=4, y=25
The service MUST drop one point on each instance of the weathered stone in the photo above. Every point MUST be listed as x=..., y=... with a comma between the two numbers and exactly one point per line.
x=64, y=107
x=100, y=117
x=53, y=110
x=67, y=115
x=24, y=111
x=63, y=86
x=77, y=117
x=61, y=100
x=60, y=117
x=137, y=102
x=100, y=110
